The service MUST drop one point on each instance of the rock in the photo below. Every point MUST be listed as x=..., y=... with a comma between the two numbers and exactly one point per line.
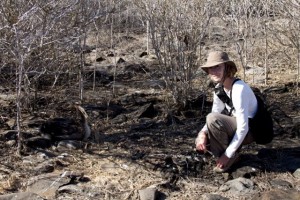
x=155, y=84
x=238, y=186
x=100, y=59
x=47, y=185
x=121, y=60
x=134, y=99
x=38, y=142
x=144, y=53
x=5, y=169
x=226, y=177
x=47, y=167
x=147, y=110
x=69, y=144
x=119, y=119
x=281, y=184
x=143, y=123
x=246, y=172
x=74, y=189
x=107, y=166
x=112, y=110
x=148, y=193
x=34, y=123
x=278, y=194
x=190, y=165
x=276, y=89
x=11, y=123
x=137, y=68
x=255, y=71
x=124, y=76
x=297, y=173
x=21, y=196
x=72, y=174
x=9, y=135
x=82, y=49
x=190, y=113
x=172, y=120
x=101, y=77
x=213, y=197
x=11, y=143
x=110, y=54
x=196, y=102
x=44, y=155
x=38, y=158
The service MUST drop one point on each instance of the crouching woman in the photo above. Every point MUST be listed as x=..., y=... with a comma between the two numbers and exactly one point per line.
x=235, y=108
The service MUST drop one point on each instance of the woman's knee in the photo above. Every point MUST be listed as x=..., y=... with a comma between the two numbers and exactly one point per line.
x=211, y=118
x=216, y=121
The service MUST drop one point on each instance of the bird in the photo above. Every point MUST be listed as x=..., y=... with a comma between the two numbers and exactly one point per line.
x=58, y=129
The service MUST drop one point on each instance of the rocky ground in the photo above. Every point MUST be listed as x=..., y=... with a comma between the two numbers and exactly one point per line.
x=140, y=145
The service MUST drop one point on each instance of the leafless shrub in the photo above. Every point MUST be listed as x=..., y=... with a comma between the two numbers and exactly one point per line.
x=47, y=40
x=176, y=33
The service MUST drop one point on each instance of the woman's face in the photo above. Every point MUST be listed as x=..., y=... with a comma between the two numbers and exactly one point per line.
x=216, y=72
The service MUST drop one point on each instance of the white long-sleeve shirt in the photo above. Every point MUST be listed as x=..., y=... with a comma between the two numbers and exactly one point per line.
x=245, y=106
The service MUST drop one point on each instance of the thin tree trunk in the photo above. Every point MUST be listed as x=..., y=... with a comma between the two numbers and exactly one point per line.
x=127, y=21
x=298, y=72
x=147, y=37
x=111, y=31
x=96, y=56
x=298, y=62
x=112, y=47
x=266, y=54
x=82, y=55
x=19, y=79
x=80, y=79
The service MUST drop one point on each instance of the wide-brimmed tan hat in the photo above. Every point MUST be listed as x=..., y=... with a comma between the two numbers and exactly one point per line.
x=217, y=57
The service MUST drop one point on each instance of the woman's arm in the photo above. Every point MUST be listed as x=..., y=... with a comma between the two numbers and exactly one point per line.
x=241, y=97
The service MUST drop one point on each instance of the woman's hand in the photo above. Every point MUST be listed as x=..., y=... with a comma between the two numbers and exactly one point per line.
x=222, y=161
x=201, y=141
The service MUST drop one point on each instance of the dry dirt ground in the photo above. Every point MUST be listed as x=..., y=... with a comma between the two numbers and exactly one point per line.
x=140, y=141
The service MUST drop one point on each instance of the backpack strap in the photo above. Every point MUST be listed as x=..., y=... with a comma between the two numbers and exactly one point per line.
x=220, y=92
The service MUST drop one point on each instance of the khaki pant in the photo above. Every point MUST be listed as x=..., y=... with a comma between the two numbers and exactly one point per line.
x=221, y=129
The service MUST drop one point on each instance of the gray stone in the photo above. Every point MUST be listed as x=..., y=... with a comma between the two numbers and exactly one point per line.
x=35, y=159
x=296, y=120
x=46, y=186
x=213, y=197
x=69, y=144
x=245, y=172
x=281, y=184
x=119, y=119
x=156, y=84
x=74, y=189
x=147, y=110
x=38, y=142
x=21, y=196
x=72, y=174
x=238, y=186
x=148, y=193
x=11, y=143
x=297, y=173
x=278, y=194
x=47, y=167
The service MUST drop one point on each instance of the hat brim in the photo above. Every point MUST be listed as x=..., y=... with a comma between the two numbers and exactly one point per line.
x=212, y=64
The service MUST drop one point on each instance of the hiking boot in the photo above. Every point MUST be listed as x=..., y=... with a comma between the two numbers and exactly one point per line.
x=229, y=164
